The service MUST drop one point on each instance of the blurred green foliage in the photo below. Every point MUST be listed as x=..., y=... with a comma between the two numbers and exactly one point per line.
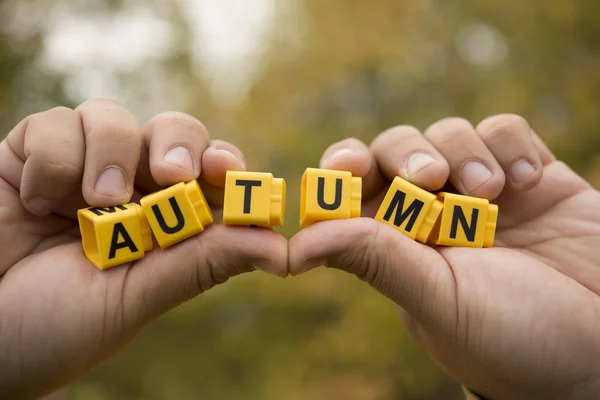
x=330, y=70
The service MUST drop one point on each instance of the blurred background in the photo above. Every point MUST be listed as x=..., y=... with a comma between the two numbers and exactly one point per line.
x=283, y=80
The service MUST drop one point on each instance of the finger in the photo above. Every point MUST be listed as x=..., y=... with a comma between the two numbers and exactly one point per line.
x=545, y=153
x=354, y=156
x=413, y=275
x=510, y=140
x=473, y=169
x=403, y=151
x=172, y=152
x=220, y=157
x=113, y=142
x=46, y=152
x=166, y=278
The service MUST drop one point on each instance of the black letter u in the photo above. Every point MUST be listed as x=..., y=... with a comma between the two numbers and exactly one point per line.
x=161, y=220
x=321, y=194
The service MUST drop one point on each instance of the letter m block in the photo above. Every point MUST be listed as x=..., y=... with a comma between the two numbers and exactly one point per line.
x=410, y=209
x=114, y=235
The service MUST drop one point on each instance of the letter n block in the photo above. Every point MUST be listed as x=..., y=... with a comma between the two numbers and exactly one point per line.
x=410, y=209
x=177, y=213
x=465, y=222
x=253, y=198
x=114, y=235
x=329, y=194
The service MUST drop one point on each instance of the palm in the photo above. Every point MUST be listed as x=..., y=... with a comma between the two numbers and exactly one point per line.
x=538, y=279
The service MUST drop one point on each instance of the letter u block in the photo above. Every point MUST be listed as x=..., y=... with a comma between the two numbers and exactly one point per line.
x=465, y=222
x=114, y=235
x=254, y=198
x=328, y=194
x=177, y=213
x=410, y=209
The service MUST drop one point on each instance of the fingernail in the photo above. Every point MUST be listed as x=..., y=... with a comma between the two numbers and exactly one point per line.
x=229, y=154
x=181, y=157
x=521, y=170
x=417, y=162
x=111, y=182
x=39, y=206
x=328, y=160
x=474, y=174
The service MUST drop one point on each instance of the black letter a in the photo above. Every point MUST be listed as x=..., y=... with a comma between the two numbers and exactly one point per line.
x=161, y=220
x=115, y=245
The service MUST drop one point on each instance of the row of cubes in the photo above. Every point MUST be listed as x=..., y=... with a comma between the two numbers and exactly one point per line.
x=121, y=234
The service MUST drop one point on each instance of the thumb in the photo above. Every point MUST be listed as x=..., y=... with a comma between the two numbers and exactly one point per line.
x=165, y=278
x=413, y=275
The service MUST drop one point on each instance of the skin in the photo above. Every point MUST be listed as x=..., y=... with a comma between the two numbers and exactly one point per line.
x=515, y=321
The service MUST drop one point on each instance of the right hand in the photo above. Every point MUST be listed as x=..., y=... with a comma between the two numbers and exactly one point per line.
x=59, y=315
x=517, y=321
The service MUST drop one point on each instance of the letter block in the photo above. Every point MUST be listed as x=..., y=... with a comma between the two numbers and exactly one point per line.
x=254, y=198
x=465, y=222
x=176, y=213
x=329, y=194
x=114, y=235
x=410, y=209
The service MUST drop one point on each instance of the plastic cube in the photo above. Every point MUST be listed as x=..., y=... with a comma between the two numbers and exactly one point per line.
x=328, y=194
x=114, y=235
x=254, y=199
x=465, y=222
x=410, y=209
x=177, y=213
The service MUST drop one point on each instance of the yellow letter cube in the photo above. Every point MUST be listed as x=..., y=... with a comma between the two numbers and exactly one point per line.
x=177, y=213
x=465, y=222
x=410, y=209
x=328, y=194
x=114, y=235
x=253, y=198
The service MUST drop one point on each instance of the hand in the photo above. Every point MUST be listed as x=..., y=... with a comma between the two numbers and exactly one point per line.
x=517, y=321
x=59, y=315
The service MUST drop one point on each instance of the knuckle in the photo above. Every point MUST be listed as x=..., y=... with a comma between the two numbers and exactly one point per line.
x=394, y=134
x=118, y=134
x=448, y=129
x=503, y=127
x=179, y=119
x=100, y=102
x=57, y=169
x=351, y=142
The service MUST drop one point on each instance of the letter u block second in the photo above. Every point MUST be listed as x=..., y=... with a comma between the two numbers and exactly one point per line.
x=329, y=194
x=177, y=213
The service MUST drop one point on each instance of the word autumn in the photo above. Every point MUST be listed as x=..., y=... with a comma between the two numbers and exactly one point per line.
x=120, y=234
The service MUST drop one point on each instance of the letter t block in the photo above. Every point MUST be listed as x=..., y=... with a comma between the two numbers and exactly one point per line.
x=177, y=213
x=410, y=209
x=114, y=235
x=254, y=199
x=329, y=194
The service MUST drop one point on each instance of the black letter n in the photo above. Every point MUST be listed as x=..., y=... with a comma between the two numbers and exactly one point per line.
x=459, y=216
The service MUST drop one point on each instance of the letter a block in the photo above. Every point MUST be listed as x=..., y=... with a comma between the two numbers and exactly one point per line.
x=328, y=194
x=253, y=198
x=465, y=222
x=410, y=209
x=114, y=235
x=176, y=213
